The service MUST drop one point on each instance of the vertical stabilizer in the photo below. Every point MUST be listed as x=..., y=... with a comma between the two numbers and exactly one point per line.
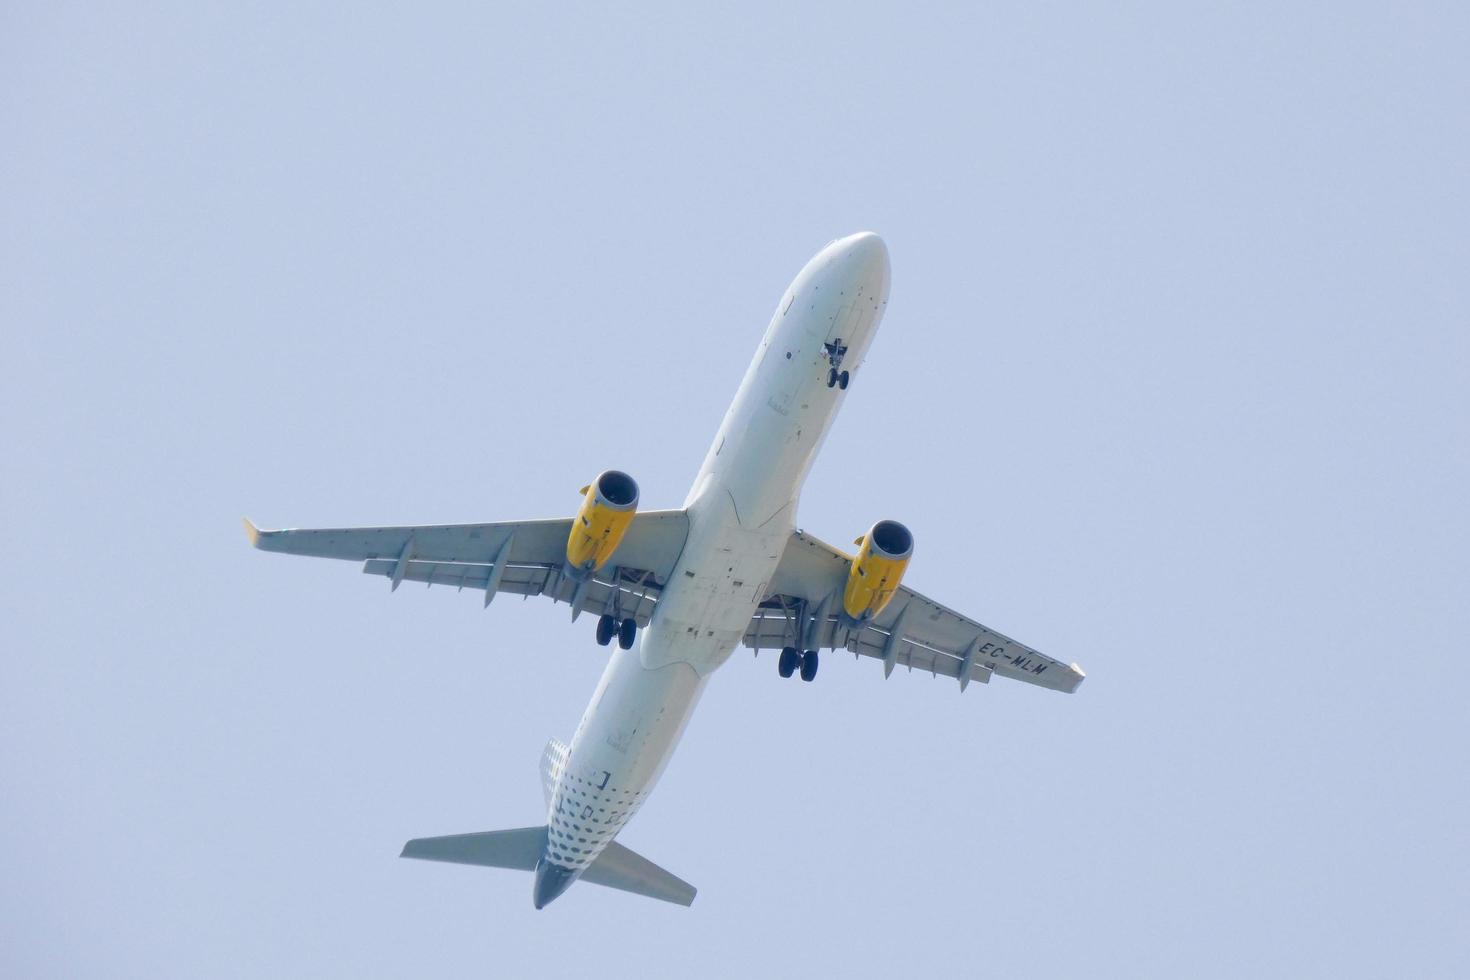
x=553, y=762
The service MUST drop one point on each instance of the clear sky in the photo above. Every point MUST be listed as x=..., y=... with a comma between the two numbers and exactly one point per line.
x=1174, y=382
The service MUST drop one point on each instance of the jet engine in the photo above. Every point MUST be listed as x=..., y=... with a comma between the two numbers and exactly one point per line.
x=873, y=579
x=608, y=506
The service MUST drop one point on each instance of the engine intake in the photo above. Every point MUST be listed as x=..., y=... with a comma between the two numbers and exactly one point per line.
x=608, y=506
x=877, y=570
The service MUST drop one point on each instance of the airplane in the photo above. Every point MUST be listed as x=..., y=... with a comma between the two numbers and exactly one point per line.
x=680, y=590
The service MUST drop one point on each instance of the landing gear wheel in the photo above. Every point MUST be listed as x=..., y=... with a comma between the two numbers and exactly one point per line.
x=605, y=630
x=790, y=660
x=841, y=381
x=832, y=378
x=809, y=665
x=627, y=630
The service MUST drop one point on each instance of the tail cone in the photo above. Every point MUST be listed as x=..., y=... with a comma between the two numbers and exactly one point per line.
x=551, y=881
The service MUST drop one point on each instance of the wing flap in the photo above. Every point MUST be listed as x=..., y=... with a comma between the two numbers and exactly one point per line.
x=653, y=542
x=520, y=557
x=632, y=595
x=934, y=637
x=431, y=542
x=771, y=629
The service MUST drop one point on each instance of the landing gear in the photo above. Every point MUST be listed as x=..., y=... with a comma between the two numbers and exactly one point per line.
x=836, y=377
x=608, y=627
x=793, y=660
x=790, y=659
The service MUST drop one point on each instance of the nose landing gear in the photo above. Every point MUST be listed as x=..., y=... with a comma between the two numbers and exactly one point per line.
x=836, y=377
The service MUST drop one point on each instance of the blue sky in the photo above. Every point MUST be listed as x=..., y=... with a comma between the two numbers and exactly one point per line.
x=1174, y=382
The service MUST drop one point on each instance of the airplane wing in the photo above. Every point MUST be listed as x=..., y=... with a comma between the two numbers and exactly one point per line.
x=519, y=557
x=802, y=610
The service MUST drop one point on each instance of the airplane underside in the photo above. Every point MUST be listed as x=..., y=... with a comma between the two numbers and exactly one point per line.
x=680, y=590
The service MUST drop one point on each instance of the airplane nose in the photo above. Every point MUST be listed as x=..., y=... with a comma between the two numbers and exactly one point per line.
x=868, y=245
x=865, y=252
x=551, y=881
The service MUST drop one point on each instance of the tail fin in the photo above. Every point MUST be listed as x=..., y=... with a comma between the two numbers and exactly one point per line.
x=553, y=761
x=517, y=849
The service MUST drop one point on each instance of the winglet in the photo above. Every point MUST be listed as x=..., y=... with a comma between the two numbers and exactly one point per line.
x=252, y=532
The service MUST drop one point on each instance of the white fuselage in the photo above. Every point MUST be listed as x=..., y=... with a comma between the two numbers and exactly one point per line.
x=742, y=510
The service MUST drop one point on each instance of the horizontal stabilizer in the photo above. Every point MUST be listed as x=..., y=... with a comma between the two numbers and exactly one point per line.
x=618, y=867
x=518, y=849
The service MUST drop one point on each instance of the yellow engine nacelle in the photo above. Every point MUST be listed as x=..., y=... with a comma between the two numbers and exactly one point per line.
x=608, y=506
x=876, y=571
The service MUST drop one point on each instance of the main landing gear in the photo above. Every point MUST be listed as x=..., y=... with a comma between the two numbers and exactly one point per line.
x=793, y=659
x=625, y=631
